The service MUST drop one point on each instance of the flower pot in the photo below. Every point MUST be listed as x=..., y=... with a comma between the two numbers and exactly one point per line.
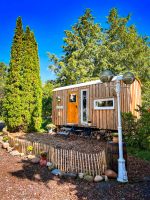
x=50, y=130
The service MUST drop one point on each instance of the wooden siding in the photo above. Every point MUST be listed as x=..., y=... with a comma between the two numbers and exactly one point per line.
x=130, y=96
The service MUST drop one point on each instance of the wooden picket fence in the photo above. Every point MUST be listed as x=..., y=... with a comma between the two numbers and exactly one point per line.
x=65, y=159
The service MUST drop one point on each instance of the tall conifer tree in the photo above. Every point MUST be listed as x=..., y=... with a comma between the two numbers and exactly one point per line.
x=12, y=102
x=82, y=46
x=37, y=87
x=31, y=83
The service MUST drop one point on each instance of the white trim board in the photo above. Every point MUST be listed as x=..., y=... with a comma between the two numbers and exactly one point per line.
x=87, y=103
x=82, y=84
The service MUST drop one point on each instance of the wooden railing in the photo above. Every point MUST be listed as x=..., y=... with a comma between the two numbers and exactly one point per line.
x=65, y=159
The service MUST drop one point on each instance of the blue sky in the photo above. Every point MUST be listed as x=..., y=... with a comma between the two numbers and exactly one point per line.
x=49, y=18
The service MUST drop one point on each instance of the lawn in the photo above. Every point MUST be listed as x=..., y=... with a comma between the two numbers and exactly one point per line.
x=143, y=154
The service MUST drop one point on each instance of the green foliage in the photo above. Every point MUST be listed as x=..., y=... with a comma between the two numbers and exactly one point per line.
x=89, y=49
x=137, y=131
x=43, y=154
x=50, y=126
x=143, y=128
x=29, y=148
x=81, y=50
x=143, y=154
x=23, y=93
x=129, y=126
x=12, y=102
x=5, y=139
x=31, y=84
x=3, y=72
x=47, y=100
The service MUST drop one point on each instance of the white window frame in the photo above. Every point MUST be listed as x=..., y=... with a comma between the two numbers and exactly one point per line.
x=104, y=108
x=82, y=122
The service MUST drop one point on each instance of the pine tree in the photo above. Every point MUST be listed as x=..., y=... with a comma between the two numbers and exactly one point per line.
x=12, y=102
x=126, y=50
x=82, y=45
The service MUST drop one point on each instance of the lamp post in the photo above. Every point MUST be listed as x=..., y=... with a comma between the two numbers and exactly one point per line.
x=128, y=78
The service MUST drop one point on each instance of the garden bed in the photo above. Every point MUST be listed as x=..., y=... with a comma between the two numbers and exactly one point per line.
x=72, y=142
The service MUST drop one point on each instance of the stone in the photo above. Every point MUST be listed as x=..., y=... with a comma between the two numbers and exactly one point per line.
x=15, y=153
x=98, y=178
x=37, y=177
x=1, y=139
x=81, y=175
x=106, y=178
x=69, y=175
x=30, y=157
x=35, y=160
x=9, y=149
x=110, y=173
x=88, y=178
x=21, y=154
x=5, y=145
x=50, y=166
x=56, y=172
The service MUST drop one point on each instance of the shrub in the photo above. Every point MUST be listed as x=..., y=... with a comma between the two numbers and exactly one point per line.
x=30, y=148
x=143, y=128
x=5, y=139
x=137, y=131
x=50, y=126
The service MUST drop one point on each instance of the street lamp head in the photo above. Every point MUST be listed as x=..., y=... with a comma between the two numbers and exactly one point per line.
x=106, y=76
x=128, y=78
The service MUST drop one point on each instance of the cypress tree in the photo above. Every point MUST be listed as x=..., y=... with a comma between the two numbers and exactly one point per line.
x=31, y=84
x=37, y=87
x=27, y=76
x=12, y=102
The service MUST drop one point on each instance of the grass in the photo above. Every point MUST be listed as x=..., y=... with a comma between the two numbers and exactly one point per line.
x=140, y=153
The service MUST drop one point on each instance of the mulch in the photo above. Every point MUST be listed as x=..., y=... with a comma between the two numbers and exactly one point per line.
x=74, y=142
x=18, y=182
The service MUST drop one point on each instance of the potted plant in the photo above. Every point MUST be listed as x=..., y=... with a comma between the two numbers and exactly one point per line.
x=89, y=123
x=43, y=158
x=5, y=139
x=50, y=127
x=115, y=137
x=5, y=143
x=29, y=149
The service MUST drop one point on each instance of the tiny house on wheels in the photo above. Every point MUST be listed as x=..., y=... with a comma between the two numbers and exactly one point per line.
x=94, y=101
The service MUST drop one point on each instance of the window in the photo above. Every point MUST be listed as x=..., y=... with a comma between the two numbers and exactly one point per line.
x=84, y=106
x=72, y=98
x=104, y=104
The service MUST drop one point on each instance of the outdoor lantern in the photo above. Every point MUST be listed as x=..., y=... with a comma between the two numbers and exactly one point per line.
x=106, y=76
x=58, y=99
x=128, y=78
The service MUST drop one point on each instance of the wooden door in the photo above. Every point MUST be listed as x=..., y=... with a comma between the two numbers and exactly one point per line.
x=72, y=112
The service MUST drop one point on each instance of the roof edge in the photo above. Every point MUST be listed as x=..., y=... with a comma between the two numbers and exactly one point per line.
x=82, y=84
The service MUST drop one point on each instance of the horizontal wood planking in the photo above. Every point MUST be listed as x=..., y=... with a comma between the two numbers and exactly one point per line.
x=104, y=119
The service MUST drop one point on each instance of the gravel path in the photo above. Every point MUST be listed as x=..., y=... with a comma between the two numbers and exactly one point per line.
x=18, y=182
